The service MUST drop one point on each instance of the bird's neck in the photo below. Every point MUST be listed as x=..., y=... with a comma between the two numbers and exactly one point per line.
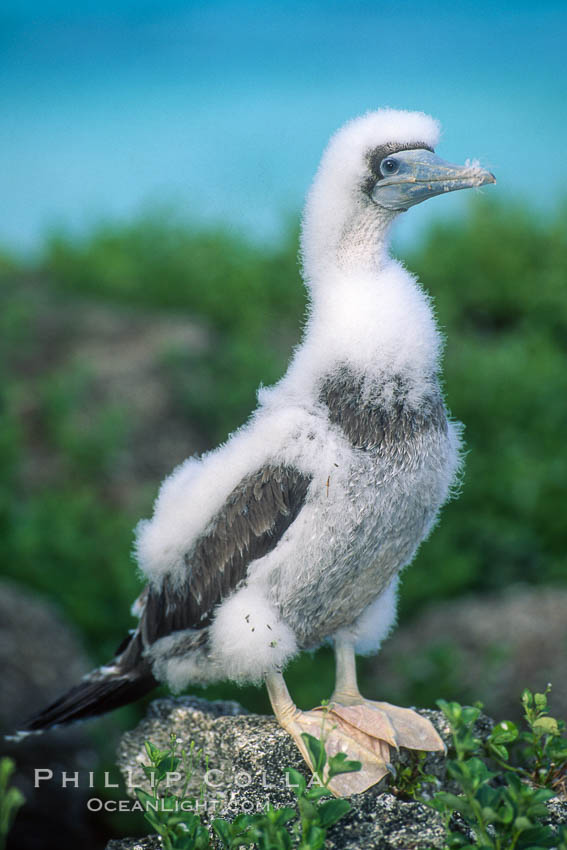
x=334, y=244
x=363, y=245
x=376, y=321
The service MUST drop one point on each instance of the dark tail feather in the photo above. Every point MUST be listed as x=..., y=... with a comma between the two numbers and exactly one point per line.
x=127, y=679
x=91, y=698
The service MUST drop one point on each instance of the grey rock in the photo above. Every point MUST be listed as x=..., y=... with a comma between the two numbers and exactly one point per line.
x=246, y=756
x=242, y=768
x=557, y=812
x=32, y=634
x=243, y=756
x=382, y=822
x=486, y=647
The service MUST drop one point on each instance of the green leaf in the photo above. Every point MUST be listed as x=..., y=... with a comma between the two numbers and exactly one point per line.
x=489, y=815
x=470, y=715
x=504, y=733
x=242, y=822
x=151, y=773
x=316, y=792
x=154, y=753
x=7, y=767
x=154, y=821
x=489, y=796
x=332, y=811
x=536, y=838
x=545, y=726
x=296, y=781
x=444, y=801
x=285, y=841
x=13, y=799
x=307, y=809
x=150, y=750
x=499, y=750
x=201, y=840
x=451, y=710
x=280, y=817
x=167, y=765
x=316, y=751
x=169, y=804
x=143, y=796
x=506, y=813
x=471, y=774
x=456, y=841
x=340, y=764
x=315, y=838
x=527, y=697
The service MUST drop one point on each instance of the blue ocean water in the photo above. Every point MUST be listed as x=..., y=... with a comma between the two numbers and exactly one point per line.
x=223, y=108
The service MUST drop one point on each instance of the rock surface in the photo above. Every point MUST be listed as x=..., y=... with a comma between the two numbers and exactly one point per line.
x=32, y=634
x=247, y=757
x=487, y=647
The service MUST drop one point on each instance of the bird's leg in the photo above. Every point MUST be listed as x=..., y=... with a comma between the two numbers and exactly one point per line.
x=289, y=716
x=400, y=727
x=346, y=685
x=337, y=735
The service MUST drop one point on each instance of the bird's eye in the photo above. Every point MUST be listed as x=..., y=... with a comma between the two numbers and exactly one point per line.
x=389, y=166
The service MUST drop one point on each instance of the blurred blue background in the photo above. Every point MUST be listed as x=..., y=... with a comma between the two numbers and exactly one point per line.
x=223, y=108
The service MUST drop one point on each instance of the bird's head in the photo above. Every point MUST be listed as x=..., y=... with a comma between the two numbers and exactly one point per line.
x=374, y=168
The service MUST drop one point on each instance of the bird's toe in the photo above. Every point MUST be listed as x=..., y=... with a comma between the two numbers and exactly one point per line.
x=338, y=735
x=400, y=727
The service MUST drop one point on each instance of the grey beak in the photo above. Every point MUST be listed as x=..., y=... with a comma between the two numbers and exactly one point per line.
x=412, y=176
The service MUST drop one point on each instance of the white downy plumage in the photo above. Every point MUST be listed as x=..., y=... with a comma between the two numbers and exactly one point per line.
x=370, y=315
x=295, y=530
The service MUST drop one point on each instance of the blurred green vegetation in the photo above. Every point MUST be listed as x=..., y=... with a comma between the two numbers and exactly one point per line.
x=252, y=298
x=499, y=278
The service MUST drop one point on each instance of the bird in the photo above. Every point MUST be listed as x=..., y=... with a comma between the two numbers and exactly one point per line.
x=294, y=532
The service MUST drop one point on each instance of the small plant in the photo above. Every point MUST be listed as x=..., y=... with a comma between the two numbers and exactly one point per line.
x=504, y=808
x=11, y=799
x=545, y=748
x=174, y=819
x=411, y=780
x=171, y=815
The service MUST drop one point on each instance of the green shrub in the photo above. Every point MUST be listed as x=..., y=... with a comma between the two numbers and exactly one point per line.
x=504, y=807
x=11, y=799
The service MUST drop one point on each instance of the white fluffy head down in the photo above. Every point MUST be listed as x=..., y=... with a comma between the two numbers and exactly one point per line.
x=249, y=638
x=335, y=192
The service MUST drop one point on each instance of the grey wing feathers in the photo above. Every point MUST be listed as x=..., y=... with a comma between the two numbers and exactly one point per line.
x=252, y=521
x=250, y=524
